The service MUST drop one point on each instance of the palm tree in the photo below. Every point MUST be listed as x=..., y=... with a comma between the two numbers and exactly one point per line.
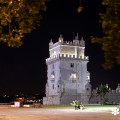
x=101, y=92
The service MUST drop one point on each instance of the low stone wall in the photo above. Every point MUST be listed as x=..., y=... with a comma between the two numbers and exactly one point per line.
x=113, y=97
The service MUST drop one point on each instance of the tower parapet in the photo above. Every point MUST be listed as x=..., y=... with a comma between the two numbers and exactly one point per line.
x=74, y=48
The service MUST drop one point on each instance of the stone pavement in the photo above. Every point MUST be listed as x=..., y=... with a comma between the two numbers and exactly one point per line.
x=7, y=113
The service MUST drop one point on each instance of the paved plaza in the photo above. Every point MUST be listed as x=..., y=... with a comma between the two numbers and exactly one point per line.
x=8, y=113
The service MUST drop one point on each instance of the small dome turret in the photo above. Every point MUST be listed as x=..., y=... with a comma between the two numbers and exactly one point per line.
x=51, y=42
x=76, y=41
x=118, y=88
x=60, y=39
x=82, y=42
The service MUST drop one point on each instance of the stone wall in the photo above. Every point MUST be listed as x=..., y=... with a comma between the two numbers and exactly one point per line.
x=112, y=97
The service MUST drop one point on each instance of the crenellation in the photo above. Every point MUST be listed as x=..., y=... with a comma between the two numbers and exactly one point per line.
x=66, y=56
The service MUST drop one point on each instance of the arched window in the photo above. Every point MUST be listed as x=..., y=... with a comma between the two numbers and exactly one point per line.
x=52, y=77
x=72, y=65
x=53, y=86
x=87, y=89
x=73, y=76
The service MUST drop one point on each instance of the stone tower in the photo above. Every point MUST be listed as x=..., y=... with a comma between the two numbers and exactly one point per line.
x=67, y=75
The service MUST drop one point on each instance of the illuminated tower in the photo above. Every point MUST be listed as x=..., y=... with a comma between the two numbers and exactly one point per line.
x=67, y=75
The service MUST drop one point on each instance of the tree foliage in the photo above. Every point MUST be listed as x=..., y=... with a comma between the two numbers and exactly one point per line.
x=101, y=92
x=110, y=41
x=18, y=17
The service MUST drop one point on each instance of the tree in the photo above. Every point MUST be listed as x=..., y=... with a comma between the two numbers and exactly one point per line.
x=18, y=17
x=101, y=92
x=110, y=41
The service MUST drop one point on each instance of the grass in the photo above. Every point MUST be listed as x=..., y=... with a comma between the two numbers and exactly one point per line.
x=86, y=107
x=58, y=106
x=101, y=107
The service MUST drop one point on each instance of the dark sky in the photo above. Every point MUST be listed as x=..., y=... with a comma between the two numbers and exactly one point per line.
x=23, y=70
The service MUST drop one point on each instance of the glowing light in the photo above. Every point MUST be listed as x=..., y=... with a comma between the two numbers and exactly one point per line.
x=88, y=77
x=10, y=2
x=79, y=9
x=60, y=40
x=52, y=76
x=73, y=76
x=115, y=111
x=17, y=104
x=54, y=52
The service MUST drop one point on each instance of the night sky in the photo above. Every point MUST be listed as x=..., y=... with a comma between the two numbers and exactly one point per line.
x=23, y=70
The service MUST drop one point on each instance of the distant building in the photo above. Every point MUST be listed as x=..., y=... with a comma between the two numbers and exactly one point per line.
x=67, y=76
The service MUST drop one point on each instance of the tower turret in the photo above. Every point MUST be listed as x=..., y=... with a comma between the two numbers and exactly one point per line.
x=82, y=42
x=60, y=39
x=51, y=42
x=76, y=40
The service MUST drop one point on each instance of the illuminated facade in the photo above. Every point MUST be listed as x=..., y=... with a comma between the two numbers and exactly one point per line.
x=67, y=75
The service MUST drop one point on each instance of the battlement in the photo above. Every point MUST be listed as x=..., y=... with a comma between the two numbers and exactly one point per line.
x=66, y=56
x=75, y=42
